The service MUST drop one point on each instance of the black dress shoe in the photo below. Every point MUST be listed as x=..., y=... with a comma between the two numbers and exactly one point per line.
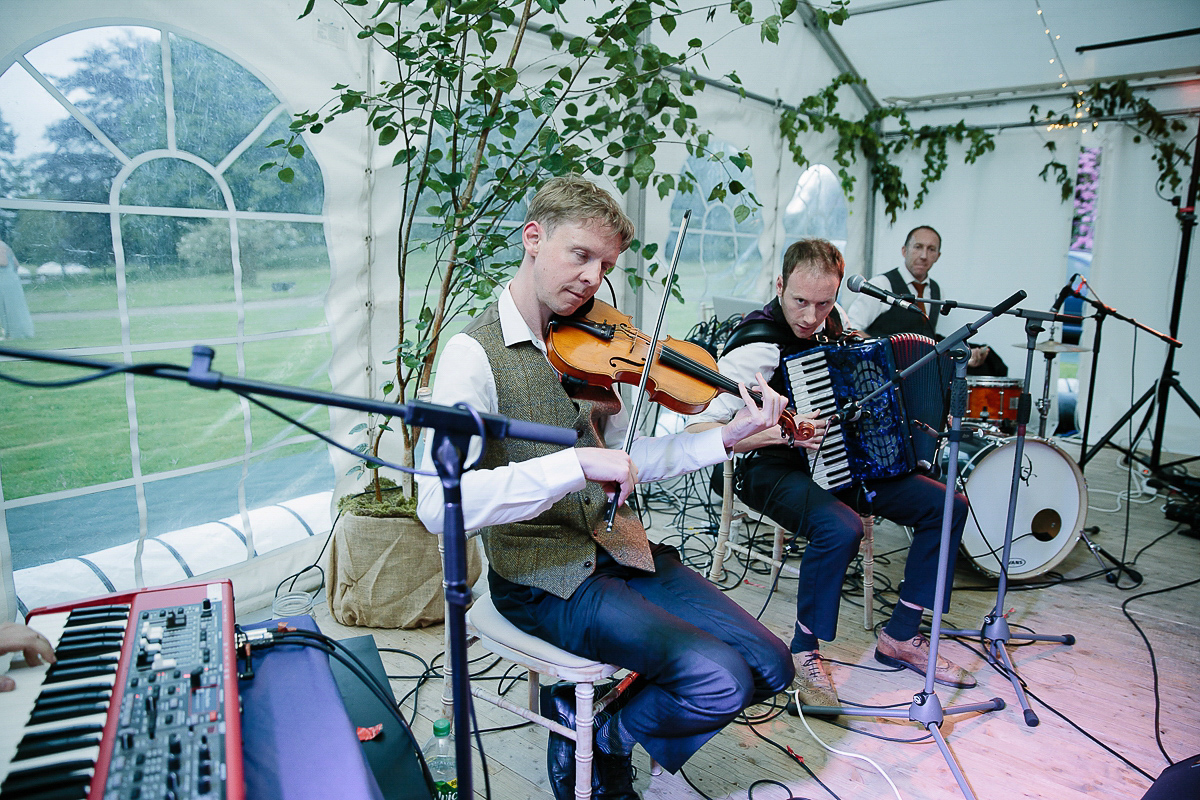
x=558, y=704
x=612, y=778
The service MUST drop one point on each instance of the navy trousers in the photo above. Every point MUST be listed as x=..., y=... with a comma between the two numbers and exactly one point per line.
x=704, y=658
x=772, y=482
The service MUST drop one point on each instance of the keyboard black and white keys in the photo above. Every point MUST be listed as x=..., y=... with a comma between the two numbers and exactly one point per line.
x=811, y=389
x=142, y=701
x=881, y=444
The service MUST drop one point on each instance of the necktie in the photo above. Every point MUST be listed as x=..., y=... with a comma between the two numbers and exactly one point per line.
x=920, y=287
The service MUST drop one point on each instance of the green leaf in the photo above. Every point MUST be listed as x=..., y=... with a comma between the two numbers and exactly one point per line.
x=504, y=79
x=643, y=167
x=359, y=428
x=444, y=117
x=769, y=30
x=287, y=174
x=667, y=21
x=388, y=135
x=741, y=213
x=296, y=151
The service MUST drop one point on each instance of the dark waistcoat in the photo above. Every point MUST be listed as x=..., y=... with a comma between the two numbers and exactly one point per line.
x=899, y=320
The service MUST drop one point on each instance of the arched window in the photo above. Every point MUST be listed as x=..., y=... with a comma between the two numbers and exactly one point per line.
x=720, y=255
x=132, y=158
x=817, y=208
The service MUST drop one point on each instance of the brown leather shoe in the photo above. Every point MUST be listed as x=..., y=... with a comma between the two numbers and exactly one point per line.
x=813, y=686
x=914, y=654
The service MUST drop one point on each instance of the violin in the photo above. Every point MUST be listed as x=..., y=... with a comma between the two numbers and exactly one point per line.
x=600, y=345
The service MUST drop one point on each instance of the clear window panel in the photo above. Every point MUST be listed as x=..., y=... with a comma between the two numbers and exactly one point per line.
x=817, y=208
x=113, y=75
x=179, y=276
x=255, y=189
x=182, y=426
x=48, y=532
x=285, y=275
x=57, y=439
x=285, y=473
x=66, y=277
x=720, y=256
x=171, y=183
x=217, y=101
x=300, y=361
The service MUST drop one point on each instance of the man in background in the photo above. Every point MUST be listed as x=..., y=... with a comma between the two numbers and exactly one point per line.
x=922, y=248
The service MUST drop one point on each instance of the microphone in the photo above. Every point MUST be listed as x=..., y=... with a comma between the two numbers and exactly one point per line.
x=857, y=283
x=1064, y=293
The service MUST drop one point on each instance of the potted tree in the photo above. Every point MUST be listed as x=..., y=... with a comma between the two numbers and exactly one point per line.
x=475, y=124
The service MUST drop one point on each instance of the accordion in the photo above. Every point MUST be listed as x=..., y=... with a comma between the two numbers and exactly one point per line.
x=885, y=441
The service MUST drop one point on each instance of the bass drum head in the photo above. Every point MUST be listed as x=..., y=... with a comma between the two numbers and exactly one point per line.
x=1051, y=507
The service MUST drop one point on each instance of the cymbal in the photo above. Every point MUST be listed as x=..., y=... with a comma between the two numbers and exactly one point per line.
x=1052, y=346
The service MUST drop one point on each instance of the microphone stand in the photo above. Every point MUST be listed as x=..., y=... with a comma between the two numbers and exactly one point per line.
x=452, y=431
x=1152, y=395
x=995, y=633
x=926, y=708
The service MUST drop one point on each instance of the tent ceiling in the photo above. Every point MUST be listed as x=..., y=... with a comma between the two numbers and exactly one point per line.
x=934, y=53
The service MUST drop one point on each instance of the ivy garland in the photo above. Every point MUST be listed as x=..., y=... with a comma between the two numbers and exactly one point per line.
x=865, y=137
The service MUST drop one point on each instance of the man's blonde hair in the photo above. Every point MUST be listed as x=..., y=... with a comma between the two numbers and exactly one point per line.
x=573, y=198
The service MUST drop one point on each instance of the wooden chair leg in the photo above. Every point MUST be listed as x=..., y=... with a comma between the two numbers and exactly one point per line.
x=718, y=562
x=868, y=562
x=777, y=553
x=584, y=694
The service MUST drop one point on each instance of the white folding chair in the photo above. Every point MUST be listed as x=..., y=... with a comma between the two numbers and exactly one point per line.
x=732, y=507
x=488, y=627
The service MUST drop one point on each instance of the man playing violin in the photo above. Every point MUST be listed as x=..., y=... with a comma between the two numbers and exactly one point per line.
x=775, y=479
x=555, y=570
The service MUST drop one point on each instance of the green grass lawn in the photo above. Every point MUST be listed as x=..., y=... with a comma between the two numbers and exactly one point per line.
x=66, y=438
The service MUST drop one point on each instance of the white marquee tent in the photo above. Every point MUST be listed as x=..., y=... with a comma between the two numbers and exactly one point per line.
x=1004, y=228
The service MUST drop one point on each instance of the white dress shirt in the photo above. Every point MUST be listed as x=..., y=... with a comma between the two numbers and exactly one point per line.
x=742, y=365
x=864, y=309
x=521, y=491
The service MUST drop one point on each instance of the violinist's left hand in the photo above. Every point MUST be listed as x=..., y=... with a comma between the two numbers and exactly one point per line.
x=753, y=418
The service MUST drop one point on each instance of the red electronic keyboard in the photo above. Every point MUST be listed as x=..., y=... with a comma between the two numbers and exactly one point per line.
x=142, y=702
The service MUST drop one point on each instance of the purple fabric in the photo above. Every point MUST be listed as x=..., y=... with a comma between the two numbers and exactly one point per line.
x=297, y=741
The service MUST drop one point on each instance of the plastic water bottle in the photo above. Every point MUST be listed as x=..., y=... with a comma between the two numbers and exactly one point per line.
x=439, y=756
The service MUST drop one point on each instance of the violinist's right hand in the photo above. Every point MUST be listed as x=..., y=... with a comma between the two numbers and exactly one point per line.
x=612, y=468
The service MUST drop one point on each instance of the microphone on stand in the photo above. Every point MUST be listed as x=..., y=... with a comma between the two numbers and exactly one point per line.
x=857, y=283
x=1064, y=293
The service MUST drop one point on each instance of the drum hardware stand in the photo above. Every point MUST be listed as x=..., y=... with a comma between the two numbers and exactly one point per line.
x=451, y=429
x=995, y=633
x=1110, y=575
x=926, y=708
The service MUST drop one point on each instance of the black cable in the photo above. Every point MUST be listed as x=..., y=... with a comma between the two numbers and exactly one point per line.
x=695, y=788
x=796, y=758
x=1008, y=675
x=1153, y=660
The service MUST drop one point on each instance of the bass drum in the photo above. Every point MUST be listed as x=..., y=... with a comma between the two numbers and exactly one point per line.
x=1051, y=507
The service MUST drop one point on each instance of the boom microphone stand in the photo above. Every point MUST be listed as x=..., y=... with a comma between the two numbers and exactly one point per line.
x=452, y=431
x=1156, y=394
x=995, y=633
x=926, y=708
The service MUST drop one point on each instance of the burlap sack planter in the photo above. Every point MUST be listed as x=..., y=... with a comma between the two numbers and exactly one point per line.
x=385, y=572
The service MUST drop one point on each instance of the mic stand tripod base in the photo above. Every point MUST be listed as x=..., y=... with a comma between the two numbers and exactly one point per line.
x=995, y=634
x=926, y=708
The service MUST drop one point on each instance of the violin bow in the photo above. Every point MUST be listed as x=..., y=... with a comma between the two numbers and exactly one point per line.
x=654, y=340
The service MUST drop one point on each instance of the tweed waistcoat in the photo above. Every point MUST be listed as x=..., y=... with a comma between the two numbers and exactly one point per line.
x=556, y=550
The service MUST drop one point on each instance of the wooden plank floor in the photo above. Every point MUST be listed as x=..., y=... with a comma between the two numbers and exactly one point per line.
x=1102, y=686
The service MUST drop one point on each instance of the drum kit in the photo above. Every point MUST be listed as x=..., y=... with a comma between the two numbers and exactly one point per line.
x=1052, y=502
